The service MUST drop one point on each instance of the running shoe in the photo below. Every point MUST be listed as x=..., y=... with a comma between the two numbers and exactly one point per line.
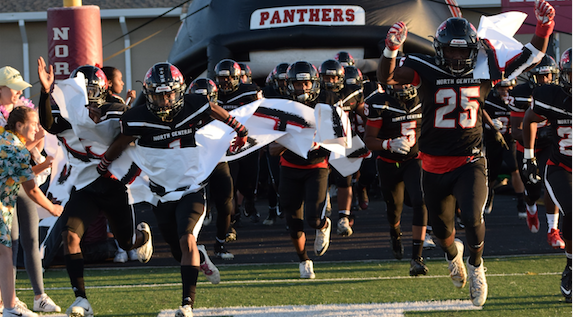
x=343, y=228
x=306, y=269
x=322, y=239
x=208, y=268
x=46, y=304
x=457, y=268
x=554, y=239
x=477, y=283
x=80, y=308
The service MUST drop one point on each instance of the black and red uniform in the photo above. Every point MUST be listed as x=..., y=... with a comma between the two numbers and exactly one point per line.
x=553, y=103
x=519, y=104
x=398, y=173
x=304, y=182
x=102, y=195
x=497, y=108
x=174, y=218
x=450, y=147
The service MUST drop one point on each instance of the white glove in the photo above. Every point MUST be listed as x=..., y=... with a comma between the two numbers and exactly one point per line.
x=544, y=12
x=498, y=125
x=399, y=145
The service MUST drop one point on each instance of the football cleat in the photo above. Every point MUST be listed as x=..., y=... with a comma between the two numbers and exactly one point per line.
x=145, y=251
x=417, y=267
x=477, y=284
x=46, y=304
x=272, y=217
x=457, y=268
x=397, y=247
x=120, y=256
x=184, y=311
x=554, y=239
x=322, y=239
x=532, y=220
x=343, y=227
x=80, y=308
x=222, y=253
x=208, y=268
x=306, y=269
x=566, y=283
x=429, y=243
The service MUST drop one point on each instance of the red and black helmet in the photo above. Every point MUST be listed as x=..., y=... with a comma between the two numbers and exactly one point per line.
x=206, y=87
x=96, y=83
x=227, y=75
x=456, y=33
x=331, y=68
x=164, y=88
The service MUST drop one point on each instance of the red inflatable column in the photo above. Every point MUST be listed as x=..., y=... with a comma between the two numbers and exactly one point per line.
x=74, y=38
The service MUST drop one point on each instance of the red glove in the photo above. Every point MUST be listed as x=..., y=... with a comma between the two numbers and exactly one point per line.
x=238, y=143
x=396, y=36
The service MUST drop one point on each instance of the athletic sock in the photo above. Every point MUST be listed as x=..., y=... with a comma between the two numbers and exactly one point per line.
x=189, y=275
x=75, y=268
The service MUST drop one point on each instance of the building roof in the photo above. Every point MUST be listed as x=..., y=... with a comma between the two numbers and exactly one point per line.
x=43, y=5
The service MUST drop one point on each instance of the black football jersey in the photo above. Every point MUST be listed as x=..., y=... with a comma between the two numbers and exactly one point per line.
x=246, y=93
x=452, y=109
x=270, y=92
x=152, y=132
x=398, y=119
x=316, y=156
x=497, y=108
x=554, y=103
x=519, y=104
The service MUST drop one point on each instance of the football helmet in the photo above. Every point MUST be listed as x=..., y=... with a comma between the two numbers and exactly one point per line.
x=565, y=69
x=96, y=83
x=353, y=76
x=164, y=87
x=278, y=78
x=205, y=86
x=547, y=65
x=456, y=44
x=227, y=75
x=344, y=58
x=402, y=92
x=331, y=75
x=303, y=71
x=501, y=89
x=246, y=71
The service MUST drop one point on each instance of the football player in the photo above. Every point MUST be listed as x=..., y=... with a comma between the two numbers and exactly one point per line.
x=496, y=106
x=168, y=109
x=553, y=103
x=392, y=129
x=104, y=194
x=245, y=171
x=545, y=72
x=453, y=166
x=303, y=181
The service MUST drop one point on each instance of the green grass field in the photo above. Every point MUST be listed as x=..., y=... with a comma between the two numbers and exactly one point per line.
x=518, y=286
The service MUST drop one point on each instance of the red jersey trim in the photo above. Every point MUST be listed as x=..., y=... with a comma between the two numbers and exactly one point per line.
x=416, y=81
x=323, y=164
x=563, y=166
x=442, y=164
x=374, y=123
x=517, y=114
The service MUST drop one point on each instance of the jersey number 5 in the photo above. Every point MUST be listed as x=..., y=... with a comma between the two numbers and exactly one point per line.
x=447, y=100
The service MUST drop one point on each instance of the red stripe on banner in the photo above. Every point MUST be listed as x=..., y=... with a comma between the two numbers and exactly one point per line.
x=454, y=8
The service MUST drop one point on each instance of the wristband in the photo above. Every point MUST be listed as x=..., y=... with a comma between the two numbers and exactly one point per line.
x=385, y=144
x=528, y=154
x=388, y=53
x=544, y=30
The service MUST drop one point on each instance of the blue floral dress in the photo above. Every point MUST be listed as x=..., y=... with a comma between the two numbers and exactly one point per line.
x=15, y=169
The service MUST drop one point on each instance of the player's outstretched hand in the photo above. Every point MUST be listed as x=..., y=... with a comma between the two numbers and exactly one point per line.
x=396, y=36
x=238, y=143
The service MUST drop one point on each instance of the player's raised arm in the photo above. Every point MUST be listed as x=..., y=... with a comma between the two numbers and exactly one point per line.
x=545, y=14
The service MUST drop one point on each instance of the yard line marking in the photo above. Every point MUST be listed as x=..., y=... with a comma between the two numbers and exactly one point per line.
x=296, y=280
x=347, y=310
